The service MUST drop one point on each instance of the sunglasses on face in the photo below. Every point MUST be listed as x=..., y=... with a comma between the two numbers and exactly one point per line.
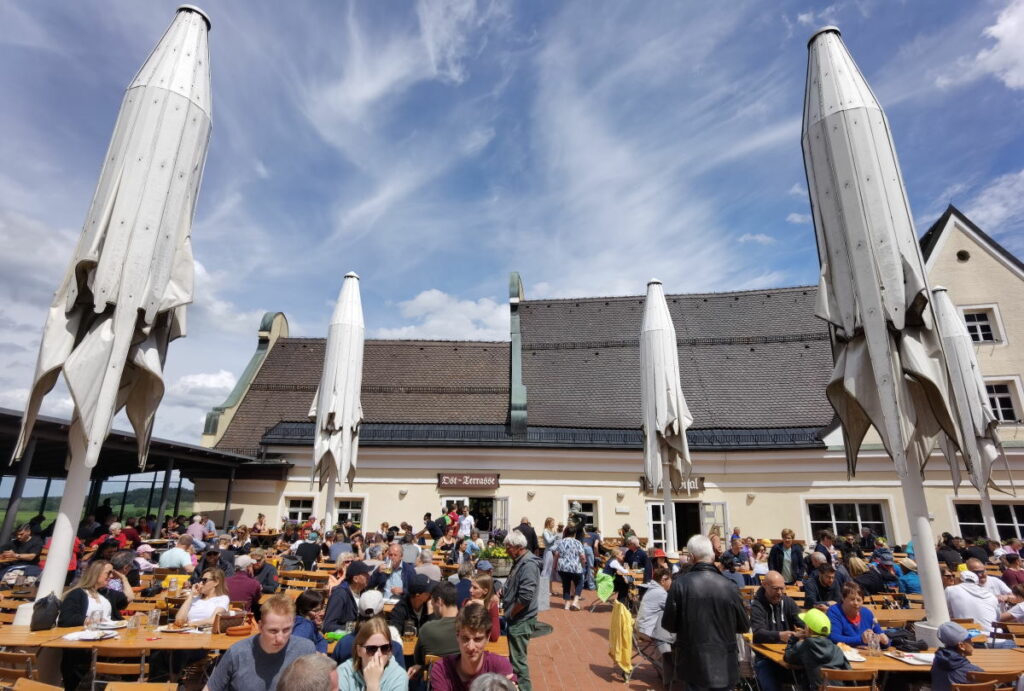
x=372, y=650
x=980, y=573
x=205, y=580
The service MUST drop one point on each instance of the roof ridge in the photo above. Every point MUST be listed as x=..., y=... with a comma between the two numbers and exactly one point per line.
x=605, y=298
x=403, y=341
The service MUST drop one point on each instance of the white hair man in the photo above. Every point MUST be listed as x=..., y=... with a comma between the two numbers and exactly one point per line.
x=519, y=598
x=705, y=612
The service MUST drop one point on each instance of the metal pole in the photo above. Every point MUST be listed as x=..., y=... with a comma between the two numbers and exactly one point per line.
x=19, y=488
x=124, y=497
x=227, y=501
x=46, y=495
x=66, y=525
x=177, y=497
x=163, y=492
x=93, y=499
x=927, y=561
x=669, y=511
x=149, y=500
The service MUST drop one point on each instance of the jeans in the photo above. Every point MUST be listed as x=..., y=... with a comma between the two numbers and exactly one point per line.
x=770, y=676
x=588, y=581
x=519, y=634
x=568, y=581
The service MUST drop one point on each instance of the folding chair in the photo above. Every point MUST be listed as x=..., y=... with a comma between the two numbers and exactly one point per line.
x=428, y=662
x=842, y=676
x=14, y=666
x=1003, y=680
x=113, y=664
x=985, y=686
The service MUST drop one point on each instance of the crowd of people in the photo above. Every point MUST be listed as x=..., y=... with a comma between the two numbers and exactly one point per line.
x=689, y=605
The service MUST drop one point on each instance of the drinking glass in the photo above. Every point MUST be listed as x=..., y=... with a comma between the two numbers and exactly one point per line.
x=154, y=618
x=874, y=647
x=19, y=579
x=409, y=632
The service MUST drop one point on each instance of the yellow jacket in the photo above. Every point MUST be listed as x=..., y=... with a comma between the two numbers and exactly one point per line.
x=620, y=638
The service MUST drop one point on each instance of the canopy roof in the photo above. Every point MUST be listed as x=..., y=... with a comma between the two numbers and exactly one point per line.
x=120, y=454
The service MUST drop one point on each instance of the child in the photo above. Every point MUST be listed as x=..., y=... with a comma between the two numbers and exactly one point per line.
x=951, y=665
x=816, y=650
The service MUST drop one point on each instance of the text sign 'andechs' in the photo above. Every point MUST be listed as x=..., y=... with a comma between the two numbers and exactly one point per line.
x=467, y=480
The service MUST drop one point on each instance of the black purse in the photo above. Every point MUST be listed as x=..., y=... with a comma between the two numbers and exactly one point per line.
x=45, y=613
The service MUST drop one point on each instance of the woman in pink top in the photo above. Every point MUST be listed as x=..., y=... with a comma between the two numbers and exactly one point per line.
x=457, y=672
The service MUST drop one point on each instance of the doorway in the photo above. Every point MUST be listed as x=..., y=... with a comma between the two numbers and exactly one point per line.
x=482, y=509
x=688, y=522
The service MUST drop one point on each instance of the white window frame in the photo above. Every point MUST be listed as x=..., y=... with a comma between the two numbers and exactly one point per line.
x=361, y=513
x=995, y=320
x=651, y=523
x=288, y=507
x=568, y=499
x=1015, y=388
x=1017, y=525
x=886, y=501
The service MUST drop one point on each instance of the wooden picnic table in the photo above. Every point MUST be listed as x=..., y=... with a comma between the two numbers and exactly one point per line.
x=144, y=639
x=998, y=660
x=264, y=539
x=22, y=636
x=885, y=617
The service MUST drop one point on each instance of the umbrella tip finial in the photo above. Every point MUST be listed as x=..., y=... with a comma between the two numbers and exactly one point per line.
x=823, y=30
x=654, y=281
x=197, y=10
x=352, y=274
x=940, y=287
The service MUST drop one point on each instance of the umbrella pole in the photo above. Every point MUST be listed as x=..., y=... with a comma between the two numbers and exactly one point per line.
x=331, y=509
x=988, y=514
x=924, y=551
x=76, y=486
x=669, y=511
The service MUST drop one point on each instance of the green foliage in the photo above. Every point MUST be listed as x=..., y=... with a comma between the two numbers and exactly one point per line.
x=496, y=552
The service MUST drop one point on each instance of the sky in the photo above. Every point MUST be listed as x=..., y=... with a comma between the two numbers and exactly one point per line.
x=433, y=147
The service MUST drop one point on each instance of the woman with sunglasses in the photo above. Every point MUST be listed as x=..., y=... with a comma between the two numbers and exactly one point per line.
x=373, y=667
x=204, y=601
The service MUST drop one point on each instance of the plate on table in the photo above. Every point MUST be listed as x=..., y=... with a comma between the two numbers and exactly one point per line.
x=90, y=635
x=167, y=629
x=111, y=625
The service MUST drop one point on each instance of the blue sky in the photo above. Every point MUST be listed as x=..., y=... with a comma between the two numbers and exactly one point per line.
x=434, y=147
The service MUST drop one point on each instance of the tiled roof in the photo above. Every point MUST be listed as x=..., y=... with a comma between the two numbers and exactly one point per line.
x=403, y=381
x=750, y=360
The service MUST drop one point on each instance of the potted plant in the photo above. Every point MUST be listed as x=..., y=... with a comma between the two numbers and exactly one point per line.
x=499, y=559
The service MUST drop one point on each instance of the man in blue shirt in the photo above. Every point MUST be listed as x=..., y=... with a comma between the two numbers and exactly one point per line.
x=395, y=574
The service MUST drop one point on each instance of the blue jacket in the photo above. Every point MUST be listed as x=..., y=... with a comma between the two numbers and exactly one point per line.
x=379, y=579
x=341, y=608
x=304, y=628
x=910, y=582
x=843, y=630
x=950, y=667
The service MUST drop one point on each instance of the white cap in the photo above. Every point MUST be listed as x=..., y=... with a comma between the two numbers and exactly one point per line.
x=371, y=602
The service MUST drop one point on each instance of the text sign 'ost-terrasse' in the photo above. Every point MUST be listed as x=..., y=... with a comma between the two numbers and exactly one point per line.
x=467, y=480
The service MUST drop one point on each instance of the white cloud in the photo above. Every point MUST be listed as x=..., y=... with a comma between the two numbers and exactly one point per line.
x=438, y=315
x=201, y=390
x=798, y=218
x=998, y=209
x=805, y=18
x=1004, y=59
x=758, y=238
x=797, y=190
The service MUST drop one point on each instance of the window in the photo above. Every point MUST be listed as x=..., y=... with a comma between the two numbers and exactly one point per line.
x=350, y=509
x=979, y=325
x=1009, y=520
x=588, y=510
x=1001, y=398
x=299, y=509
x=842, y=519
x=656, y=522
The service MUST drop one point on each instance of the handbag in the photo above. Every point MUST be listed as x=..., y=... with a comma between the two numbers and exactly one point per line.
x=45, y=613
x=223, y=622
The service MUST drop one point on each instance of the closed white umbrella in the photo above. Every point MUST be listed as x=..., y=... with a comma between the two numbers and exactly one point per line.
x=666, y=416
x=975, y=418
x=889, y=368
x=123, y=298
x=336, y=406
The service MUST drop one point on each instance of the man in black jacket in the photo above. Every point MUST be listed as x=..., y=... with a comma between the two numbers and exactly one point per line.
x=529, y=533
x=787, y=557
x=822, y=590
x=341, y=605
x=413, y=605
x=773, y=618
x=705, y=612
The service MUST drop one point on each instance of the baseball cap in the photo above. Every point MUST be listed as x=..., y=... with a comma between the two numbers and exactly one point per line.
x=313, y=537
x=968, y=577
x=370, y=602
x=144, y=549
x=420, y=584
x=244, y=561
x=659, y=553
x=484, y=565
x=816, y=621
x=885, y=557
x=951, y=634
x=356, y=568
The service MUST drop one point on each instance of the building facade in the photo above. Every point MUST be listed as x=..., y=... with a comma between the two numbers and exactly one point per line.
x=527, y=426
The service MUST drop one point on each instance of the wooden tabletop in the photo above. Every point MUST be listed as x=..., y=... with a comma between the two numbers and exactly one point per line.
x=146, y=639
x=1000, y=660
x=498, y=647
x=12, y=635
x=885, y=616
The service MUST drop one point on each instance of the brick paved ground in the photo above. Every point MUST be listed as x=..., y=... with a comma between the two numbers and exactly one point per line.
x=576, y=657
